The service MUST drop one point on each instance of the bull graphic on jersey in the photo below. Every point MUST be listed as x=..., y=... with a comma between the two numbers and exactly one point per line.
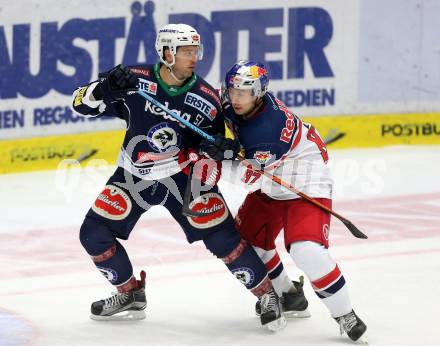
x=263, y=157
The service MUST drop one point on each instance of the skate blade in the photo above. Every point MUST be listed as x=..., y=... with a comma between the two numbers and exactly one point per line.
x=362, y=341
x=129, y=315
x=276, y=325
x=297, y=314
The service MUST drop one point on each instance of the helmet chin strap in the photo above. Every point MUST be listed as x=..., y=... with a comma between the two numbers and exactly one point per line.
x=170, y=70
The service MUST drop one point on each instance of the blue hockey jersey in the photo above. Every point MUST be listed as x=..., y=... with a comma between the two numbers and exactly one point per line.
x=153, y=138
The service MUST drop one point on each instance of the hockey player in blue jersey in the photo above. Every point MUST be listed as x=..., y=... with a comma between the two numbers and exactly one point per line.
x=280, y=143
x=153, y=164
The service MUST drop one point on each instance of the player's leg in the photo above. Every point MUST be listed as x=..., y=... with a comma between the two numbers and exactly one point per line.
x=113, y=215
x=243, y=262
x=293, y=300
x=259, y=220
x=307, y=240
x=222, y=239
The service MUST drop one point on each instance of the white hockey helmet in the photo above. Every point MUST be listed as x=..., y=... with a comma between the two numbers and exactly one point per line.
x=176, y=35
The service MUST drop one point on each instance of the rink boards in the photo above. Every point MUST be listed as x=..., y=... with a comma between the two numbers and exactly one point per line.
x=357, y=131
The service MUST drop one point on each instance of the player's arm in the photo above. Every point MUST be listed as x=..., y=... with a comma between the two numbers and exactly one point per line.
x=258, y=158
x=206, y=168
x=224, y=147
x=106, y=95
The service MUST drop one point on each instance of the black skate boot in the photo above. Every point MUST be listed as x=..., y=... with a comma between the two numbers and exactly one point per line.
x=293, y=303
x=352, y=325
x=271, y=313
x=122, y=306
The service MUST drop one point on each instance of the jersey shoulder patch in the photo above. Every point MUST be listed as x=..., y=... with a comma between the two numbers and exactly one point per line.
x=142, y=70
x=203, y=98
x=144, y=74
x=207, y=91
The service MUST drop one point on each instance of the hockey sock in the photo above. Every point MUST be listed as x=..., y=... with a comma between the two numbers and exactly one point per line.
x=247, y=267
x=116, y=267
x=324, y=275
x=280, y=280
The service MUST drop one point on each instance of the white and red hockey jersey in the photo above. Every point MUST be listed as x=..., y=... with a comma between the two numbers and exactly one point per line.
x=279, y=142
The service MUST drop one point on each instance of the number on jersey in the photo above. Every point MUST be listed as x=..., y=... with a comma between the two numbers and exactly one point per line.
x=315, y=138
x=251, y=176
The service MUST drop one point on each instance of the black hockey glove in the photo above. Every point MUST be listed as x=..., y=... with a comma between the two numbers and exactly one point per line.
x=115, y=84
x=222, y=149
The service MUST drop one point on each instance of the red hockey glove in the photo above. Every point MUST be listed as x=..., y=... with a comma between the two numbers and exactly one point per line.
x=206, y=170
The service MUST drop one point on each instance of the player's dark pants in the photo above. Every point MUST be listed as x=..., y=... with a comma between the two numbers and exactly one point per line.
x=118, y=208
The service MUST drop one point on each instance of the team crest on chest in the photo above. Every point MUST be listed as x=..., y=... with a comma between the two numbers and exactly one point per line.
x=163, y=138
x=263, y=157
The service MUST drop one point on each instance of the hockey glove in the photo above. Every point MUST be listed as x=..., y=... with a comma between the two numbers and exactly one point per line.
x=223, y=148
x=116, y=84
x=206, y=170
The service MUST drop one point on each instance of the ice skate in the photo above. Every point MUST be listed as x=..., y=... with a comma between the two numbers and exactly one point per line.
x=293, y=303
x=272, y=315
x=353, y=326
x=122, y=306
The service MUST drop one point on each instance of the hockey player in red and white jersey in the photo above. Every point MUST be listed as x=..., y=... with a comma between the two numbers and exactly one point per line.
x=279, y=142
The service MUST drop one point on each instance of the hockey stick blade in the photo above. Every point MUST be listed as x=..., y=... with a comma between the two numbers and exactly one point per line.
x=353, y=229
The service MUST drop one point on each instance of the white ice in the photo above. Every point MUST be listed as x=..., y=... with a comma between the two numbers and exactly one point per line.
x=47, y=281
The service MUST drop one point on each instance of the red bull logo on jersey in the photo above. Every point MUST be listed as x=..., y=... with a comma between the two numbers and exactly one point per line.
x=263, y=157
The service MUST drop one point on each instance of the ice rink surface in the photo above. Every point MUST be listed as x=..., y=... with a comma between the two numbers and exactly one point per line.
x=47, y=281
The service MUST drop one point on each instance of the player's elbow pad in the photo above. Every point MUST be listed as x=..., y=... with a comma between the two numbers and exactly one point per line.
x=84, y=101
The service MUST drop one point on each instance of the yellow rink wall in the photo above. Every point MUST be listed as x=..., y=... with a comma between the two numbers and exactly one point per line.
x=43, y=153
x=363, y=131
x=360, y=131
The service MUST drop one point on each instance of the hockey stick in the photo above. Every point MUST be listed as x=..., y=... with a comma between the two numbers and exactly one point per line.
x=186, y=210
x=187, y=195
x=352, y=228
